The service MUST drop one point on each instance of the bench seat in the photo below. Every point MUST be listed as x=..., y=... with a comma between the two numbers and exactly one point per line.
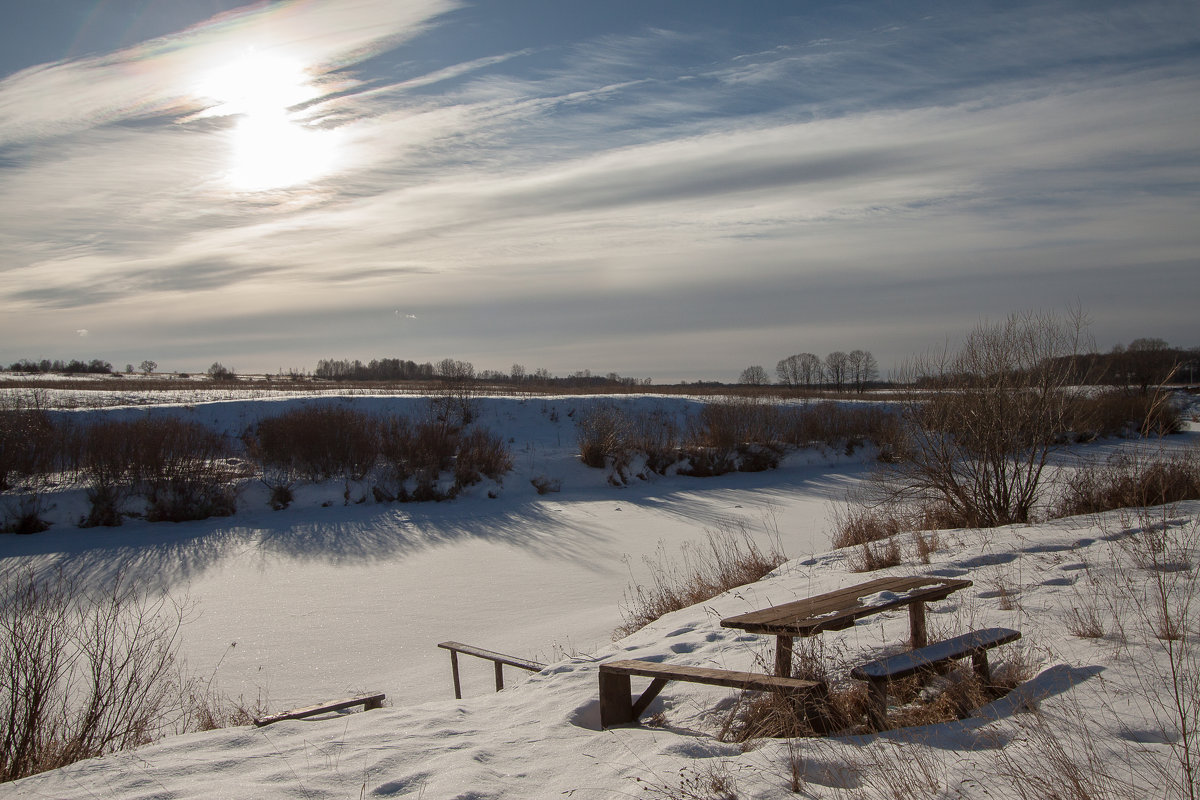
x=616, y=702
x=368, y=702
x=974, y=644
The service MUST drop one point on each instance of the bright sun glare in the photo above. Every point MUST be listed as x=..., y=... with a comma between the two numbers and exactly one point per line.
x=271, y=147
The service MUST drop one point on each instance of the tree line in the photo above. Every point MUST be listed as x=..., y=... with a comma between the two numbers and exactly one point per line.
x=839, y=371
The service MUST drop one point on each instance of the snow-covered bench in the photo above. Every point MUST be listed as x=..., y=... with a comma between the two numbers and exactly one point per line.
x=368, y=702
x=974, y=644
x=616, y=699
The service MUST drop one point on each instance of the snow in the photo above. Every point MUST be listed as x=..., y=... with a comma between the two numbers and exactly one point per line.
x=315, y=602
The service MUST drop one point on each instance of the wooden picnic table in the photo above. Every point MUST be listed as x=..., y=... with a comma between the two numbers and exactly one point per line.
x=835, y=611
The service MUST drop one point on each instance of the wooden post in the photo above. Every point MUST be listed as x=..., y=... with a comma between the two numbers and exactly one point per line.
x=616, y=703
x=916, y=624
x=454, y=672
x=499, y=675
x=783, y=656
x=877, y=703
x=979, y=660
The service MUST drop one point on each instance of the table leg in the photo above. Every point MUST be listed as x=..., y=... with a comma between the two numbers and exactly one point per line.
x=916, y=624
x=783, y=656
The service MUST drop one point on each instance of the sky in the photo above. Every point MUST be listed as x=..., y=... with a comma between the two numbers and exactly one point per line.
x=671, y=190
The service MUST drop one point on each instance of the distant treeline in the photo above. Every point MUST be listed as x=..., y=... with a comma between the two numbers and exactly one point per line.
x=453, y=370
x=95, y=366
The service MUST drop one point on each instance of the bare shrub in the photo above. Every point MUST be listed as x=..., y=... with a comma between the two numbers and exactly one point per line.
x=724, y=436
x=1120, y=412
x=841, y=424
x=546, y=485
x=871, y=556
x=481, y=453
x=1128, y=480
x=30, y=448
x=396, y=437
x=859, y=524
x=83, y=673
x=316, y=443
x=981, y=427
x=656, y=435
x=603, y=435
x=925, y=545
x=729, y=558
x=108, y=464
x=184, y=472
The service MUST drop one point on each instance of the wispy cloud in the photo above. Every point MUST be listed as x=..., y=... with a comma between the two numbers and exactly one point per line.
x=662, y=184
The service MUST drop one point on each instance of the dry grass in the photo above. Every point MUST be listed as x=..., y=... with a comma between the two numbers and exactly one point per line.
x=871, y=556
x=1129, y=480
x=729, y=558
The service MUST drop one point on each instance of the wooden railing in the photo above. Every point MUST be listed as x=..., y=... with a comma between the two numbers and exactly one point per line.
x=499, y=659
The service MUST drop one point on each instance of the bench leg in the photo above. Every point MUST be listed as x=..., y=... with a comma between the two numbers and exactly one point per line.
x=499, y=676
x=616, y=704
x=783, y=656
x=817, y=710
x=979, y=660
x=916, y=624
x=454, y=672
x=648, y=696
x=877, y=691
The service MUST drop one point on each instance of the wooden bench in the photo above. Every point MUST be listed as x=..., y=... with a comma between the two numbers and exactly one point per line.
x=617, y=706
x=498, y=659
x=368, y=702
x=974, y=644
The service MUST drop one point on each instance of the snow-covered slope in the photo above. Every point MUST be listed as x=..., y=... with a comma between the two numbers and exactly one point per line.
x=321, y=601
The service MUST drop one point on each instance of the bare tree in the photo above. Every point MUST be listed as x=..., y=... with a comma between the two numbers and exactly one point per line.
x=147, y=366
x=809, y=369
x=837, y=367
x=754, y=376
x=862, y=369
x=788, y=371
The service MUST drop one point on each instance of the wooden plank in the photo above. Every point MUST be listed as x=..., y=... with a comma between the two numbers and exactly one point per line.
x=368, y=702
x=904, y=664
x=838, y=610
x=715, y=677
x=491, y=655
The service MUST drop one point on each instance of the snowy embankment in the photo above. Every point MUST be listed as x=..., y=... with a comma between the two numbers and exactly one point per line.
x=324, y=600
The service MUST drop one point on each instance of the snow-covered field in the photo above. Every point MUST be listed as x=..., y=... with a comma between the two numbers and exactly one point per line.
x=315, y=601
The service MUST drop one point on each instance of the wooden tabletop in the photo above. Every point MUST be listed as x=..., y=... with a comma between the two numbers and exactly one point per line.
x=835, y=611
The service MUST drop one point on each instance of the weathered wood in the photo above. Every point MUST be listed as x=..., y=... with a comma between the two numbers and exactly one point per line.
x=499, y=661
x=880, y=672
x=916, y=624
x=492, y=655
x=839, y=609
x=835, y=611
x=454, y=673
x=617, y=706
x=368, y=702
x=783, y=655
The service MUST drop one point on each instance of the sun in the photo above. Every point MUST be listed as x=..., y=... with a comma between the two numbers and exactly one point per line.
x=271, y=145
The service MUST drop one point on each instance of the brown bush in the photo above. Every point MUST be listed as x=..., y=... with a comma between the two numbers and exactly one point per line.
x=603, y=435
x=191, y=480
x=872, y=556
x=1130, y=480
x=317, y=443
x=481, y=453
x=108, y=460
